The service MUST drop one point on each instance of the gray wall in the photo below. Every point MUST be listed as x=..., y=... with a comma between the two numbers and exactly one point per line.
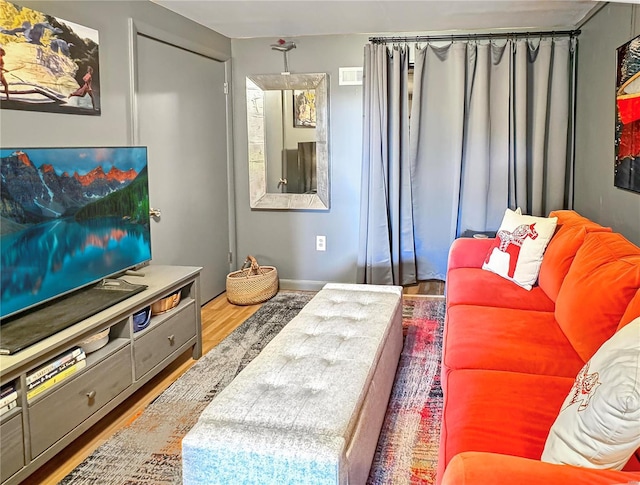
x=110, y=18
x=595, y=195
x=286, y=239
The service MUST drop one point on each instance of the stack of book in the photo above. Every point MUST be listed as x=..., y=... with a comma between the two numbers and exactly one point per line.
x=8, y=398
x=55, y=371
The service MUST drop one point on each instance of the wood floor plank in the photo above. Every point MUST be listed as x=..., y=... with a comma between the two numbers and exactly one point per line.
x=426, y=287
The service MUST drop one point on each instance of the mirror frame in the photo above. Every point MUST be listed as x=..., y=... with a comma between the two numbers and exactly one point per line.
x=259, y=197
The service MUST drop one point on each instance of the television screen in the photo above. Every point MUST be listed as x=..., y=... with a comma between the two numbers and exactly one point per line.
x=69, y=218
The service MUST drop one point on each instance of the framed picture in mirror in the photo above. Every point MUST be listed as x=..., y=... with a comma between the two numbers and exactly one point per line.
x=304, y=108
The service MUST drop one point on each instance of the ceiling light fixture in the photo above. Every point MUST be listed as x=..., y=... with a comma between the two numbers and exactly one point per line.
x=284, y=46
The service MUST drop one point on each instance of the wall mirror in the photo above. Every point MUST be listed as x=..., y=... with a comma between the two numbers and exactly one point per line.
x=288, y=126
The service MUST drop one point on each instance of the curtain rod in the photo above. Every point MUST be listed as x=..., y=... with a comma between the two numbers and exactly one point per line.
x=495, y=35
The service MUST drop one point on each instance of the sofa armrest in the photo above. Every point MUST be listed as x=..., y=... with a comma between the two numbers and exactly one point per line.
x=467, y=252
x=478, y=468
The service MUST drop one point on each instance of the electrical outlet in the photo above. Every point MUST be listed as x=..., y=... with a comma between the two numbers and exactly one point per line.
x=321, y=243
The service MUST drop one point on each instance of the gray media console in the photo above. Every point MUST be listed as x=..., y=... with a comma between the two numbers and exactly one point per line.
x=38, y=428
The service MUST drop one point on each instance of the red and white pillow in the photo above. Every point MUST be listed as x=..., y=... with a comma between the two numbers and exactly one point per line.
x=517, y=251
x=599, y=422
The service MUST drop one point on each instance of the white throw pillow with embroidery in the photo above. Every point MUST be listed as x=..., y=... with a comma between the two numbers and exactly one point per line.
x=599, y=422
x=519, y=247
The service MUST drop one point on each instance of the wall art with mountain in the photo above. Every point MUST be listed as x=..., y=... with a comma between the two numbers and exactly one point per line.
x=47, y=63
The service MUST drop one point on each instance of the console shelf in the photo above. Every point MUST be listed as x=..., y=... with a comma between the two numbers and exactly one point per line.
x=38, y=428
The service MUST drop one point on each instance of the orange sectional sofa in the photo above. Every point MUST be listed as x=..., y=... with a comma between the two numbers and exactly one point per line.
x=510, y=356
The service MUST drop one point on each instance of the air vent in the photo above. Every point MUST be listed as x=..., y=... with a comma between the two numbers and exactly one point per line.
x=350, y=76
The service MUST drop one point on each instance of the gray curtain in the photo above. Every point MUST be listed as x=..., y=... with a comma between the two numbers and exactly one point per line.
x=387, y=252
x=489, y=129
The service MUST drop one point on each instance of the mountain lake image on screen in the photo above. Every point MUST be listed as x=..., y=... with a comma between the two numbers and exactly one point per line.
x=70, y=217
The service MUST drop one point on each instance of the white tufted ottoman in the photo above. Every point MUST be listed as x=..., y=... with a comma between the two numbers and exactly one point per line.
x=309, y=408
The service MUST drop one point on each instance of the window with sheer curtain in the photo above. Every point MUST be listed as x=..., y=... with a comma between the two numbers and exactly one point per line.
x=489, y=126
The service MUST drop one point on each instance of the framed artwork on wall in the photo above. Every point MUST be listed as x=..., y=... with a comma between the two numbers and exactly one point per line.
x=627, y=136
x=47, y=63
x=304, y=108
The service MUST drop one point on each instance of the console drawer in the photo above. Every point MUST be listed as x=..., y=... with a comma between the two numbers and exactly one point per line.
x=59, y=412
x=12, y=457
x=161, y=341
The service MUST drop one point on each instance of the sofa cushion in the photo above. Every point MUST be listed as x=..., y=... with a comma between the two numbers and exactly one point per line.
x=571, y=218
x=479, y=337
x=604, y=277
x=571, y=230
x=559, y=255
x=468, y=252
x=632, y=312
x=473, y=286
x=480, y=468
x=499, y=412
x=599, y=423
x=519, y=246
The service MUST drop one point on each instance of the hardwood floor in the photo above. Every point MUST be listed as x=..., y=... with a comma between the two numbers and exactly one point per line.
x=427, y=287
x=219, y=319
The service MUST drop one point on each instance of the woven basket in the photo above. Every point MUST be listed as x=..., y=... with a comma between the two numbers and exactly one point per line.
x=165, y=304
x=252, y=284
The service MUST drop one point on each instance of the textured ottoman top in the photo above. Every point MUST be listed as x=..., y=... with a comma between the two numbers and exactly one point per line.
x=289, y=416
x=312, y=377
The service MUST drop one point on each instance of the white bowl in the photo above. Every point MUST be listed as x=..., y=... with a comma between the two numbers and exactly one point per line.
x=96, y=341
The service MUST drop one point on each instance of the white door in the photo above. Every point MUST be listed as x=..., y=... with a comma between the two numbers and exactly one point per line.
x=182, y=121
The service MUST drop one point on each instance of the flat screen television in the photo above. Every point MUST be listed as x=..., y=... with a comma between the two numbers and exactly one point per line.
x=69, y=217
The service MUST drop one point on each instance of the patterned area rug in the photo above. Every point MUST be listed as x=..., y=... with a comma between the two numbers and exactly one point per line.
x=148, y=451
x=407, y=451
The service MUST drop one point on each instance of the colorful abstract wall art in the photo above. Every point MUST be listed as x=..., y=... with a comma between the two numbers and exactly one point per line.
x=627, y=142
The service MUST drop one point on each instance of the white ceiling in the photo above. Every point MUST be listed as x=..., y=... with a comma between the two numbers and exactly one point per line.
x=266, y=18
